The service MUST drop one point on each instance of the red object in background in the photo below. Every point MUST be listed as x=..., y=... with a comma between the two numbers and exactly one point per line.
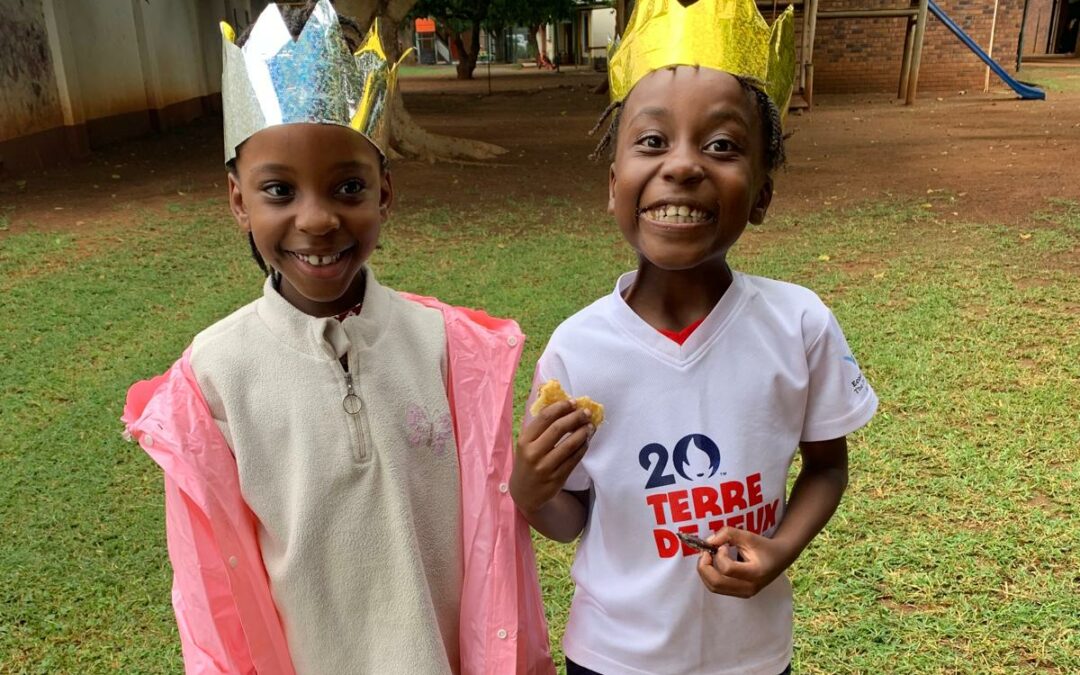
x=425, y=25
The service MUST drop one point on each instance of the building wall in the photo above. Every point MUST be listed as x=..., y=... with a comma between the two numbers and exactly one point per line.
x=105, y=57
x=601, y=27
x=77, y=74
x=30, y=102
x=865, y=55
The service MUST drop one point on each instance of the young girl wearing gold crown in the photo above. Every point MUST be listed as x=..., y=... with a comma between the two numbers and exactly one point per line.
x=335, y=453
x=711, y=379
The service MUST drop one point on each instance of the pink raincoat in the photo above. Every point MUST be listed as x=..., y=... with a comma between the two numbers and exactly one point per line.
x=224, y=610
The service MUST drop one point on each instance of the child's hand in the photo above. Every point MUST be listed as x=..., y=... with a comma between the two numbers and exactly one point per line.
x=548, y=449
x=761, y=560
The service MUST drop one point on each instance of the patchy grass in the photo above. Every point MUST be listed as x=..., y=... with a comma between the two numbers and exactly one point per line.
x=955, y=549
x=1056, y=79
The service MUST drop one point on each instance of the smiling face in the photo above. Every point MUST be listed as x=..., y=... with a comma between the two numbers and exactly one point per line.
x=313, y=197
x=689, y=168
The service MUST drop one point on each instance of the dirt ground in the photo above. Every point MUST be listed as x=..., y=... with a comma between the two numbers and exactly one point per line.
x=999, y=157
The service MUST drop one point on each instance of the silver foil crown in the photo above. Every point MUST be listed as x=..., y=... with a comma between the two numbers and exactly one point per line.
x=313, y=79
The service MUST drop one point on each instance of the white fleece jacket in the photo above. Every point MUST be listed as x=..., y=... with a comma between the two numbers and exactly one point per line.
x=358, y=501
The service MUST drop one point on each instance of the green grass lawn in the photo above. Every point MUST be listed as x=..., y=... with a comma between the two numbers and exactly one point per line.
x=956, y=548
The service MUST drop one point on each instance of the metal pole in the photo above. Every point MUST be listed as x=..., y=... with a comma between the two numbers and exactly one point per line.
x=1020, y=39
x=866, y=13
x=916, y=52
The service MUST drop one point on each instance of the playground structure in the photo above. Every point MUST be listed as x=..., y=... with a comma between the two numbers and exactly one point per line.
x=916, y=16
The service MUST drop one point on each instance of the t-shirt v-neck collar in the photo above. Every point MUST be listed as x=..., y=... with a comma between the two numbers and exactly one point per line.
x=664, y=347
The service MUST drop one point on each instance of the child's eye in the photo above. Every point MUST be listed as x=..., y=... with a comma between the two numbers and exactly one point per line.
x=278, y=190
x=352, y=187
x=722, y=145
x=651, y=141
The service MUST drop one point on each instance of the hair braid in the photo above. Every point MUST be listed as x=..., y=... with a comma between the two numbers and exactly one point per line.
x=614, y=109
x=257, y=256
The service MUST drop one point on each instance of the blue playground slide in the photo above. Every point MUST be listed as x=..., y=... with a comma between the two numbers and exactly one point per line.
x=1025, y=91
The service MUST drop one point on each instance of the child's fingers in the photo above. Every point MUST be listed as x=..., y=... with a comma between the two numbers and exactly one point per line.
x=718, y=582
x=735, y=569
x=742, y=540
x=571, y=461
x=544, y=419
x=565, y=450
x=567, y=424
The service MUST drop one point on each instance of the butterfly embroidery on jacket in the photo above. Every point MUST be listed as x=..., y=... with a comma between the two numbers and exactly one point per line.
x=423, y=432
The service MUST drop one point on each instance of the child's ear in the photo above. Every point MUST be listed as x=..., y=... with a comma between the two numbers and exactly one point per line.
x=761, y=203
x=386, y=195
x=611, y=189
x=236, y=203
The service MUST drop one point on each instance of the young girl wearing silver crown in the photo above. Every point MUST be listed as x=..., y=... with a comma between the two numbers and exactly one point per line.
x=336, y=453
x=711, y=379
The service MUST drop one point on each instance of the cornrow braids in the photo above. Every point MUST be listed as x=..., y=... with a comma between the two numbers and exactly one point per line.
x=772, y=130
x=771, y=127
x=614, y=109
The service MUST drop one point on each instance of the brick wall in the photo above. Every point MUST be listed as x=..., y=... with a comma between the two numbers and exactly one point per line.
x=865, y=55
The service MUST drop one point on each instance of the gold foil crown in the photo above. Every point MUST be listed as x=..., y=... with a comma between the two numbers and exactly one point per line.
x=274, y=79
x=727, y=35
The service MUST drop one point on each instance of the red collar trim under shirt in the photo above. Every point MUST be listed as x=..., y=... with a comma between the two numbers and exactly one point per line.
x=680, y=336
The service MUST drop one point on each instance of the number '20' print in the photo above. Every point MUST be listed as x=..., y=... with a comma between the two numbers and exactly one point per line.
x=691, y=454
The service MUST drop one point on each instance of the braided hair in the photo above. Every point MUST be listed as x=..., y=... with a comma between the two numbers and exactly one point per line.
x=295, y=19
x=772, y=131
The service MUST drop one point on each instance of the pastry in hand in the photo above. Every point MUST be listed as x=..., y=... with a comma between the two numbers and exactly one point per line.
x=552, y=392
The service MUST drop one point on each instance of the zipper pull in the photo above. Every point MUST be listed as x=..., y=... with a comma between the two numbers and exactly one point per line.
x=351, y=403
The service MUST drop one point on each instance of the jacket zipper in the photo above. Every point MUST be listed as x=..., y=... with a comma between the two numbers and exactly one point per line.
x=354, y=408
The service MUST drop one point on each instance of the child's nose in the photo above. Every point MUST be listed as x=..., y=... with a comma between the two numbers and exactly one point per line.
x=683, y=166
x=316, y=218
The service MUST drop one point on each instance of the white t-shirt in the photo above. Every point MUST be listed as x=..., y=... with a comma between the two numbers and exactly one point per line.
x=696, y=436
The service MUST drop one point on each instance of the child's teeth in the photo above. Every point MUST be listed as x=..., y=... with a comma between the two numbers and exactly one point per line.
x=677, y=214
x=318, y=260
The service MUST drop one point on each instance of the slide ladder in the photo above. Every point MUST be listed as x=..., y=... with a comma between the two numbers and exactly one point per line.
x=1025, y=91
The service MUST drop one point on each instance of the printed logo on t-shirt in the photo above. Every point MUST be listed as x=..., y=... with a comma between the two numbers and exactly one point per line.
x=687, y=492
x=858, y=385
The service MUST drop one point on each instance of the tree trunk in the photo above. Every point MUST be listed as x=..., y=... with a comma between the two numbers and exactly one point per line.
x=409, y=139
x=467, y=56
x=464, y=70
